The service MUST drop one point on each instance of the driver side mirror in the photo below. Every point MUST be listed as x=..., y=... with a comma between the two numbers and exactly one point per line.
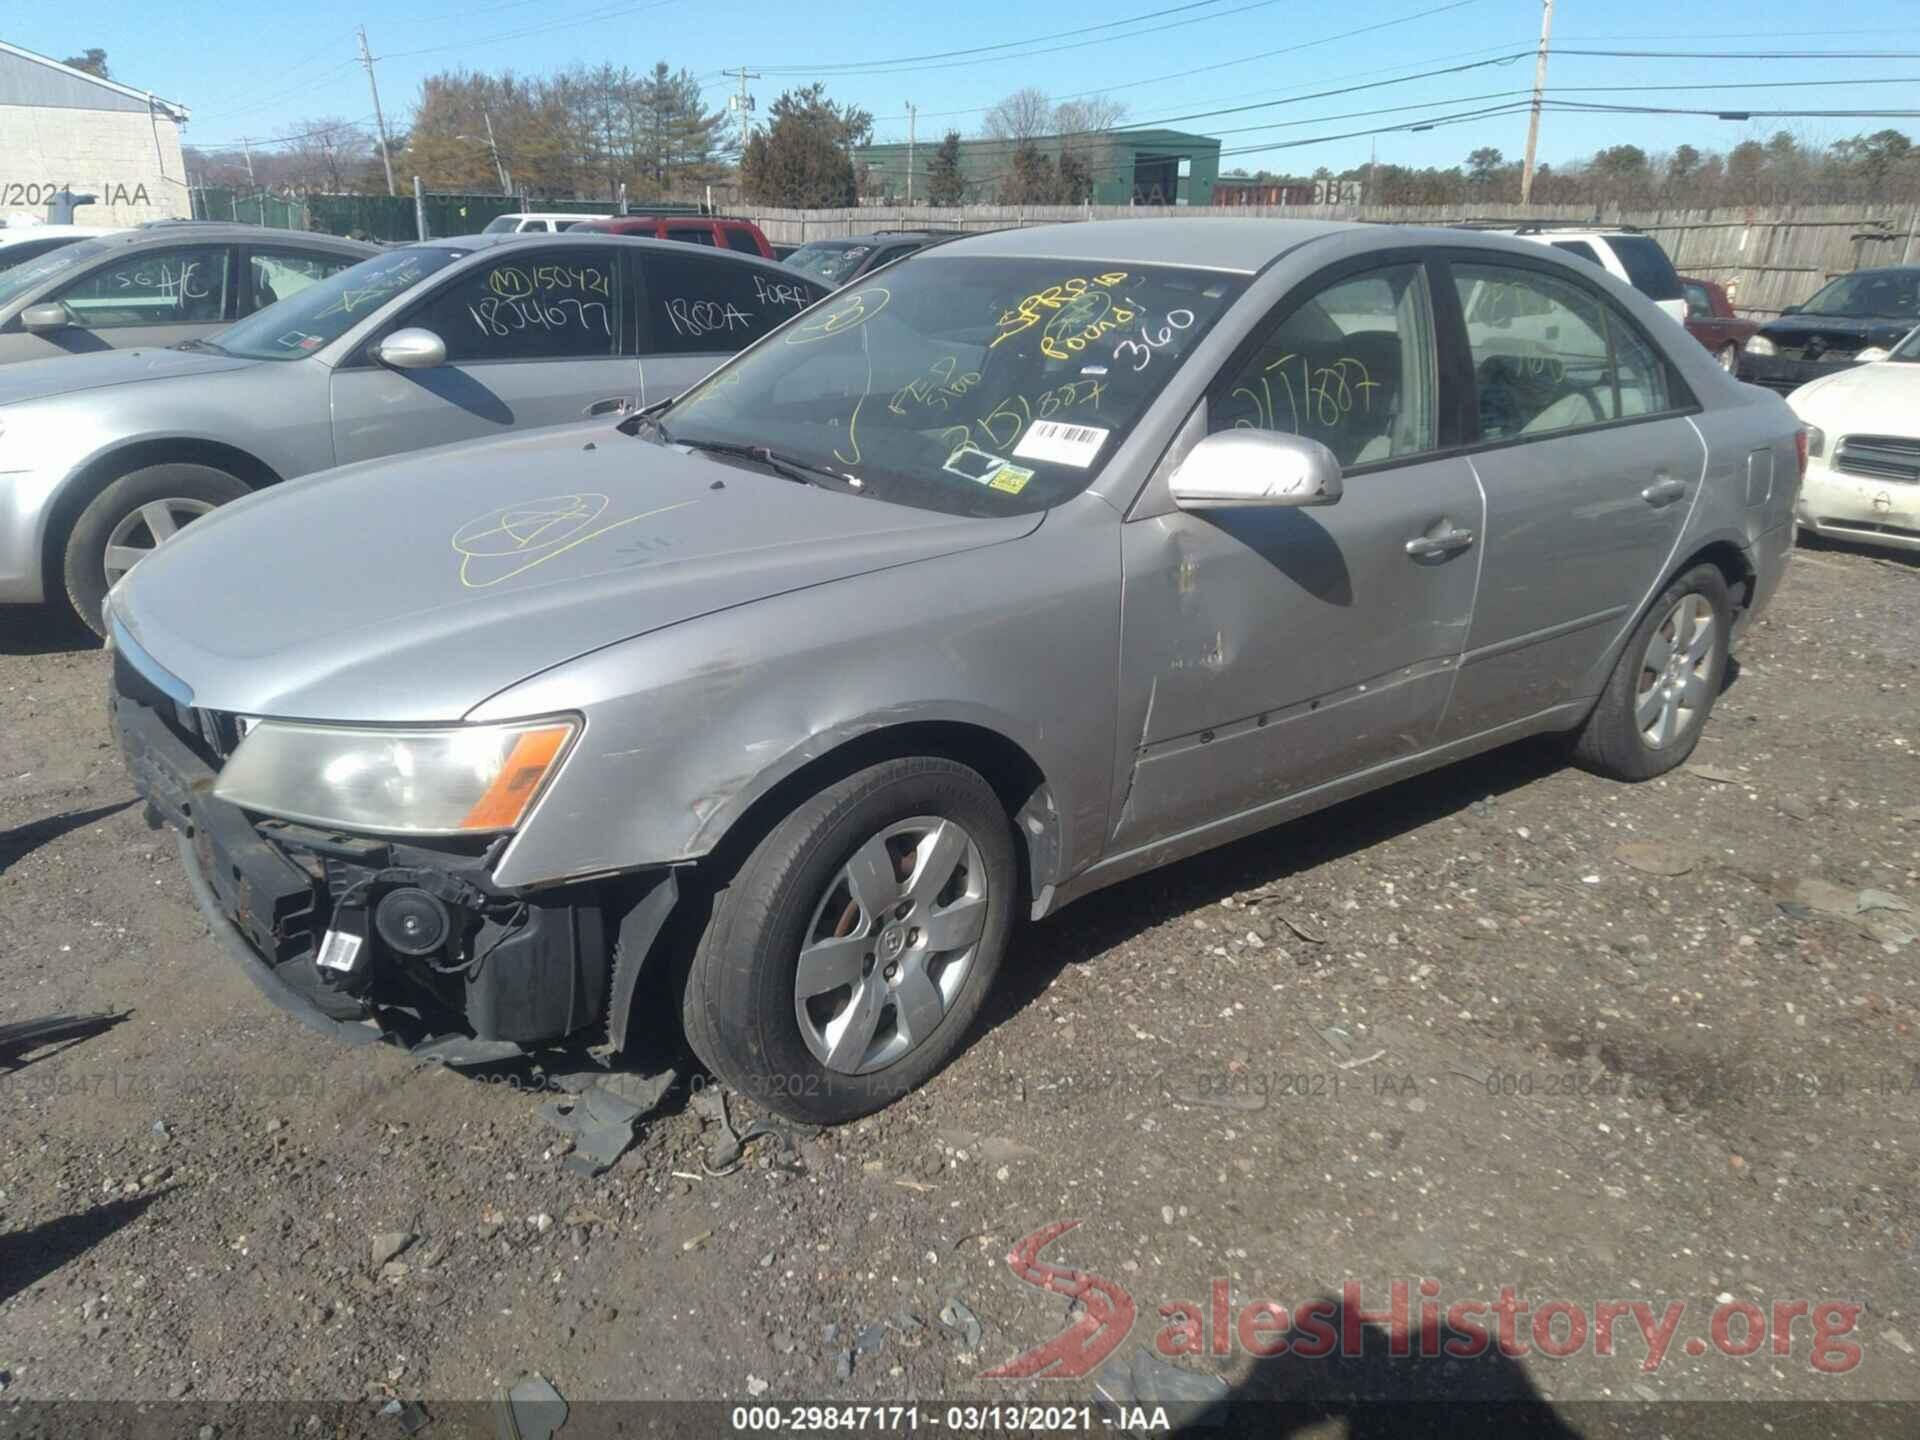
x=1789, y=309
x=1241, y=468
x=47, y=316
x=411, y=349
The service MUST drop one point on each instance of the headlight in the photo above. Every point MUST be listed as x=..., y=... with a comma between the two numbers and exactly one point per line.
x=464, y=779
x=1871, y=353
x=1816, y=440
x=1761, y=345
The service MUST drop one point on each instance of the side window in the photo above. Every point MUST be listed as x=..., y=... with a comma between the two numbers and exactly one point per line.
x=278, y=274
x=740, y=238
x=1699, y=303
x=1549, y=355
x=691, y=234
x=1580, y=248
x=182, y=286
x=699, y=304
x=1351, y=367
x=528, y=305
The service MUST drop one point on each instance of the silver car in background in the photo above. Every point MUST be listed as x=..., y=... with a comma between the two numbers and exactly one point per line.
x=103, y=457
x=1031, y=563
x=157, y=285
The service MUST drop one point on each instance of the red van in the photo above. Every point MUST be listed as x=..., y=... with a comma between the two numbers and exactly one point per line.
x=718, y=231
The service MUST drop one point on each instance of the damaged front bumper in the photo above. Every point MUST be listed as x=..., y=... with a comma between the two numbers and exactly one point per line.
x=447, y=963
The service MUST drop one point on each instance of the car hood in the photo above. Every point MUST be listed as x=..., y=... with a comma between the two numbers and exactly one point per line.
x=1881, y=398
x=1852, y=332
x=64, y=374
x=412, y=590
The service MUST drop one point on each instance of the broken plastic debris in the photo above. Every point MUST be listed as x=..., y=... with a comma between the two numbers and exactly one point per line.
x=1139, y=1377
x=957, y=1317
x=531, y=1410
x=602, y=1120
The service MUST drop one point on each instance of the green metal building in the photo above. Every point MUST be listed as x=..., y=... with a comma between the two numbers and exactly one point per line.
x=1128, y=167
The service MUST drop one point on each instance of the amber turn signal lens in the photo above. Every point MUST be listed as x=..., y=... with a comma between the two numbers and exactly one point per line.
x=513, y=789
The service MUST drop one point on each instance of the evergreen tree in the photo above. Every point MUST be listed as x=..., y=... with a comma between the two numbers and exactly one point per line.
x=944, y=185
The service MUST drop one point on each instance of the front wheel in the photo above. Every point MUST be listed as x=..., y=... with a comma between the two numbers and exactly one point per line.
x=1658, y=698
x=132, y=517
x=847, y=958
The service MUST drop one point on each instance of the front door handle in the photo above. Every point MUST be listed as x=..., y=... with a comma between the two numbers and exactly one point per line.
x=612, y=405
x=1447, y=543
x=1663, y=492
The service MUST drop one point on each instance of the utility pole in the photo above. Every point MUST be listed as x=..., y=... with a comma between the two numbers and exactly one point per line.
x=912, y=111
x=247, y=145
x=1539, y=88
x=366, y=59
x=743, y=102
x=499, y=165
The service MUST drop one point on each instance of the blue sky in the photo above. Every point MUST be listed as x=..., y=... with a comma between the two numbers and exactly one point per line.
x=252, y=68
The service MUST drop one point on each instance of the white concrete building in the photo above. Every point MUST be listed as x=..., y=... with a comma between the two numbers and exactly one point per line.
x=61, y=127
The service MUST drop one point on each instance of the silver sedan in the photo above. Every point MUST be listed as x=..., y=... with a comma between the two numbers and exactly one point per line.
x=1025, y=565
x=104, y=457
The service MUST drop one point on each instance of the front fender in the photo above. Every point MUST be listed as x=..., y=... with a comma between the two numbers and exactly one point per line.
x=687, y=727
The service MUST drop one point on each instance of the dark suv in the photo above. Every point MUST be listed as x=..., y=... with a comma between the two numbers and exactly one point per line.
x=1849, y=321
x=843, y=260
x=719, y=231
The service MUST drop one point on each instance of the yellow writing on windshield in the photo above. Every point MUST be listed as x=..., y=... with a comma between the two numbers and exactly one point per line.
x=1030, y=311
x=849, y=312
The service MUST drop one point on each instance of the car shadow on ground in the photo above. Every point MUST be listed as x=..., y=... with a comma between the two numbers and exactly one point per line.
x=36, y=1252
x=1908, y=560
x=42, y=630
x=1107, y=918
x=22, y=839
x=1366, y=1392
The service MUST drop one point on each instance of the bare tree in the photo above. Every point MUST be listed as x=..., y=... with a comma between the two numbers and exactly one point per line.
x=1020, y=116
x=1088, y=114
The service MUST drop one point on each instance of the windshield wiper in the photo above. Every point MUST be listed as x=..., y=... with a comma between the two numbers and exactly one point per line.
x=198, y=344
x=649, y=417
x=785, y=466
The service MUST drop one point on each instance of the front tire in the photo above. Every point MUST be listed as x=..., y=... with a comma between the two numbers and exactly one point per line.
x=134, y=515
x=846, y=960
x=1661, y=691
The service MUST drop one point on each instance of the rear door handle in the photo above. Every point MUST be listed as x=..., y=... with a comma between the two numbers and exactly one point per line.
x=612, y=405
x=1423, y=546
x=1663, y=492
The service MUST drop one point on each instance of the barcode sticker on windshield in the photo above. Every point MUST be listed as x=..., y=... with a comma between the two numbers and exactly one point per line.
x=1062, y=444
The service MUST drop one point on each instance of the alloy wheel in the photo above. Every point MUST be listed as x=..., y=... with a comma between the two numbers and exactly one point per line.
x=1676, y=673
x=142, y=531
x=890, y=944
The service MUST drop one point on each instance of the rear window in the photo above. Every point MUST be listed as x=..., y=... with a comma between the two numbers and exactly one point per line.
x=501, y=225
x=1647, y=266
x=691, y=234
x=740, y=238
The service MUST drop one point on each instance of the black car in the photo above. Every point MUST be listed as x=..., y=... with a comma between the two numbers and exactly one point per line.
x=1849, y=321
x=846, y=258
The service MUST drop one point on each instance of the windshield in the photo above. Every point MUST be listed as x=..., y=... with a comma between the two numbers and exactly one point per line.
x=973, y=386
x=327, y=309
x=501, y=225
x=830, y=260
x=1909, y=348
x=1894, y=294
x=22, y=278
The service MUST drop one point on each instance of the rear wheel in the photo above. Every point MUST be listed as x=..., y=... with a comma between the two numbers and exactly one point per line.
x=130, y=519
x=1658, y=698
x=847, y=958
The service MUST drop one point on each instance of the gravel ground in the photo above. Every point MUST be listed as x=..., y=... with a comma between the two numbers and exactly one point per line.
x=1508, y=1025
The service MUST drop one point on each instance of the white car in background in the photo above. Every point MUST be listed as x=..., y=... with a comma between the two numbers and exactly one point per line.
x=1631, y=257
x=520, y=222
x=20, y=243
x=1863, y=450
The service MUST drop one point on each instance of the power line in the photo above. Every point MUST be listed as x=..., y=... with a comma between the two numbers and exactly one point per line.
x=853, y=66
x=541, y=29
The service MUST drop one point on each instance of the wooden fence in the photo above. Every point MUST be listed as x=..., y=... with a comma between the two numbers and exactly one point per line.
x=1770, y=257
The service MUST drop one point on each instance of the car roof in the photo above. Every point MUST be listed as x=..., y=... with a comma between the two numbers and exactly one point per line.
x=14, y=234
x=503, y=241
x=1212, y=244
x=223, y=231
